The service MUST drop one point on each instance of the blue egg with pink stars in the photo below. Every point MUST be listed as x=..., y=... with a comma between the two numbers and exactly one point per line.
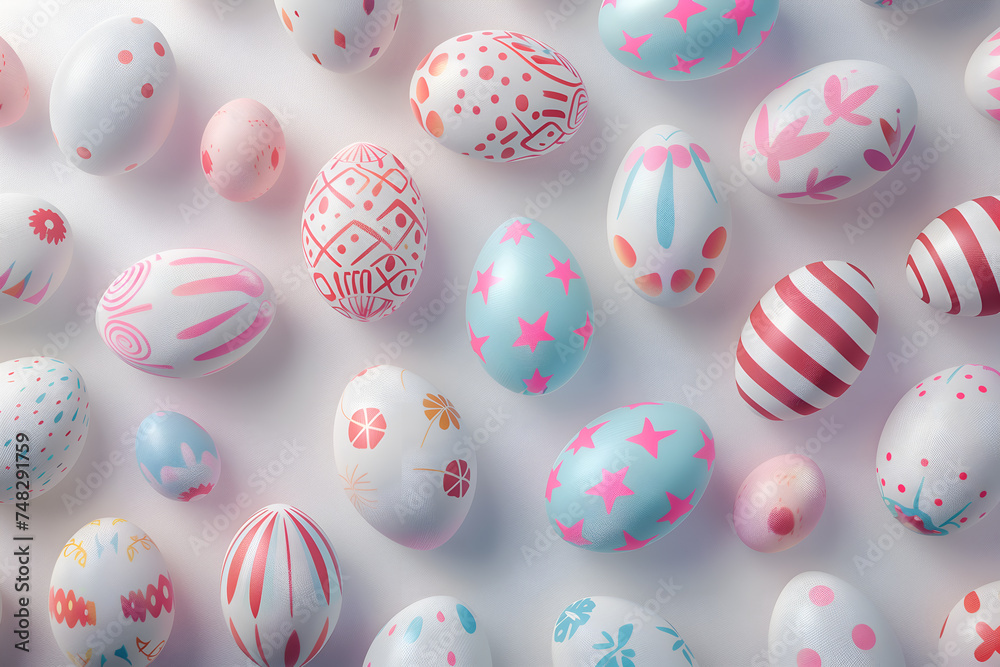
x=630, y=477
x=530, y=318
x=177, y=456
x=680, y=40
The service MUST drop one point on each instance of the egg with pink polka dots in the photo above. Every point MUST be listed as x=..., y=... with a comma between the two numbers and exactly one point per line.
x=822, y=621
x=114, y=97
x=498, y=96
x=438, y=631
x=938, y=464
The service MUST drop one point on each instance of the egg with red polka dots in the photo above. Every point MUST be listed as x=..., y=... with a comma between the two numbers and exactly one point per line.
x=819, y=620
x=438, y=631
x=938, y=465
x=44, y=419
x=114, y=97
x=971, y=632
x=498, y=95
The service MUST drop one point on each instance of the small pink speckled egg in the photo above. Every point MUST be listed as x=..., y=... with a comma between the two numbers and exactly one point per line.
x=243, y=150
x=780, y=503
x=14, y=91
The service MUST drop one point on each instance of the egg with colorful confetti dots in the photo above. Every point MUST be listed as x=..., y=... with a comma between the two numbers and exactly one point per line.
x=437, y=631
x=345, y=36
x=528, y=310
x=44, y=419
x=242, y=150
x=14, y=89
x=981, y=84
x=680, y=40
x=938, y=465
x=177, y=456
x=971, y=632
x=630, y=476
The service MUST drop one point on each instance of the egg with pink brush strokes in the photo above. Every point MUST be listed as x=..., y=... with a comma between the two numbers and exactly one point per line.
x=242, y=150
x=779, y=503
x=177, y=456
x=14, y=89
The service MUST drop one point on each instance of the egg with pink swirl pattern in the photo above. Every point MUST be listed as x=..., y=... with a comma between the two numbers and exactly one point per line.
x=186, y=313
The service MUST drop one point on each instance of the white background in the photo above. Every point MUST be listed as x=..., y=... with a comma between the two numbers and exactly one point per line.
x=286, y=389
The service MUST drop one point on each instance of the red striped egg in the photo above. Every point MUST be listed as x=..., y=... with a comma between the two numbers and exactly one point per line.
x=954, y=264
x=807, y=340
x=281, y=588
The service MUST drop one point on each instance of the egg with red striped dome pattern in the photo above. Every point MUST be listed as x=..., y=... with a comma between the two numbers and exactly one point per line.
x=281, y=587
x=938, y=466
x=438, y=631
x=807, y=340
x=954, y=265
x=971, y=632
x=982, y=77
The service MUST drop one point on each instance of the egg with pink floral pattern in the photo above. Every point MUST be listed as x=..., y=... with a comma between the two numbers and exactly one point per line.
x=14, y=90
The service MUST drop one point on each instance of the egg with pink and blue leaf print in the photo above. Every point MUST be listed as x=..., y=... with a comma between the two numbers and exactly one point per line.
x=438, y=631
x=177, y=456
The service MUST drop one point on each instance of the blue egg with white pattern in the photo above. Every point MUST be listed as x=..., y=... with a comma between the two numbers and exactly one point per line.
x=437, y=631
x=630, y=477
x=177, y=456
x=681, y=40
x=44, y=419
x=530, y=318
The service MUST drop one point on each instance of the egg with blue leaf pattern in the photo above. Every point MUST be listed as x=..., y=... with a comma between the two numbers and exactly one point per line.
x=437, y=631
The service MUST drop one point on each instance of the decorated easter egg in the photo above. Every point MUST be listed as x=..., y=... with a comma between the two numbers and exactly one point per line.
x=807, y=340
x=779, y=503
x=938, y=466
x=955, y=262
x=242, y=150
x=498, y=95
x=14, y=90
x=44, y=418
x=981, y=77
x=281, y=580
x=114, y=96
x=177, y=456
x=630, y=476
x=907, y=5
x=667, y=228
x=394, y=442
x=819, y=619
x=678, y=40
x=364, y=232
x=971, y=632
x=35, y=253
x=600, y=631
x=438, y=631
x=529, y=309
x=111, y=581
x=345, y=36
x=830, y=132
x=186, y=313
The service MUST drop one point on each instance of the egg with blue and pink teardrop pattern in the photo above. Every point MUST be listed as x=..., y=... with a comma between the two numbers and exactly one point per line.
x=529, y=312
x=177, y=456
x=437, y=631
x=630, y=477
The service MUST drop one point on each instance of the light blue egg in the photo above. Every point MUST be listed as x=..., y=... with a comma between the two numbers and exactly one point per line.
x=177, y=456
x=679, y=40
x=630, y=476
x=528, y=309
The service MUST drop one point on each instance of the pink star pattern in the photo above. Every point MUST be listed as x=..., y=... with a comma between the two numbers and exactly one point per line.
x=484, y=281
x=613, y=3
x=517, y=230
x=648, y=75
x=477, y=343
x=764, y=34
x=585, y=438
x=562, y=272
x=685, y=65
x=684, y=10
x=678, y=508
x=554, y=483
x=574, y=534
x=639, y=405
x=611, y=487
x=650, y=438
x=707, y=452
x=585, y=332
x=740, y=13
x=735, y=60
x=533, y=333
x=537, y=383
x=631, y=544
x=632, y=44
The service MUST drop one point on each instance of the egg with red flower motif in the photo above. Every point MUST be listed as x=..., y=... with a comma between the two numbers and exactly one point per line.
x=498, y=95
x=14, y=90
x=242, y=150
x=364, y=232
x=438, y=631
x=938, y=467
x=971, y=632
x=35, y=254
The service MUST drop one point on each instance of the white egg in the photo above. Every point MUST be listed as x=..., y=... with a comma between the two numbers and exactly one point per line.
x=436, y=631
x=981, y=77
x=14, y=89
x=819, y=619
x=242, y=150
x=830, y=132
x=971, y=631
x=114, y=97
x=35, y=254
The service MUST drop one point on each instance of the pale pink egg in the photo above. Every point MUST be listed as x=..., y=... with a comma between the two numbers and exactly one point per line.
x=14, y=91
x=779, y=503
x=242, y=150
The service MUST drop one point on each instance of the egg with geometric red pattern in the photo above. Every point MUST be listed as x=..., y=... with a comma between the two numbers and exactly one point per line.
x=938, y=465
x=14, y=91
x=971, y=632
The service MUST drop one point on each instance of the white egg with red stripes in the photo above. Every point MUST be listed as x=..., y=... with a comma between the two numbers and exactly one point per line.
x=954, y=264
x=982, y=77
x=807, y=340
x=438, y=631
